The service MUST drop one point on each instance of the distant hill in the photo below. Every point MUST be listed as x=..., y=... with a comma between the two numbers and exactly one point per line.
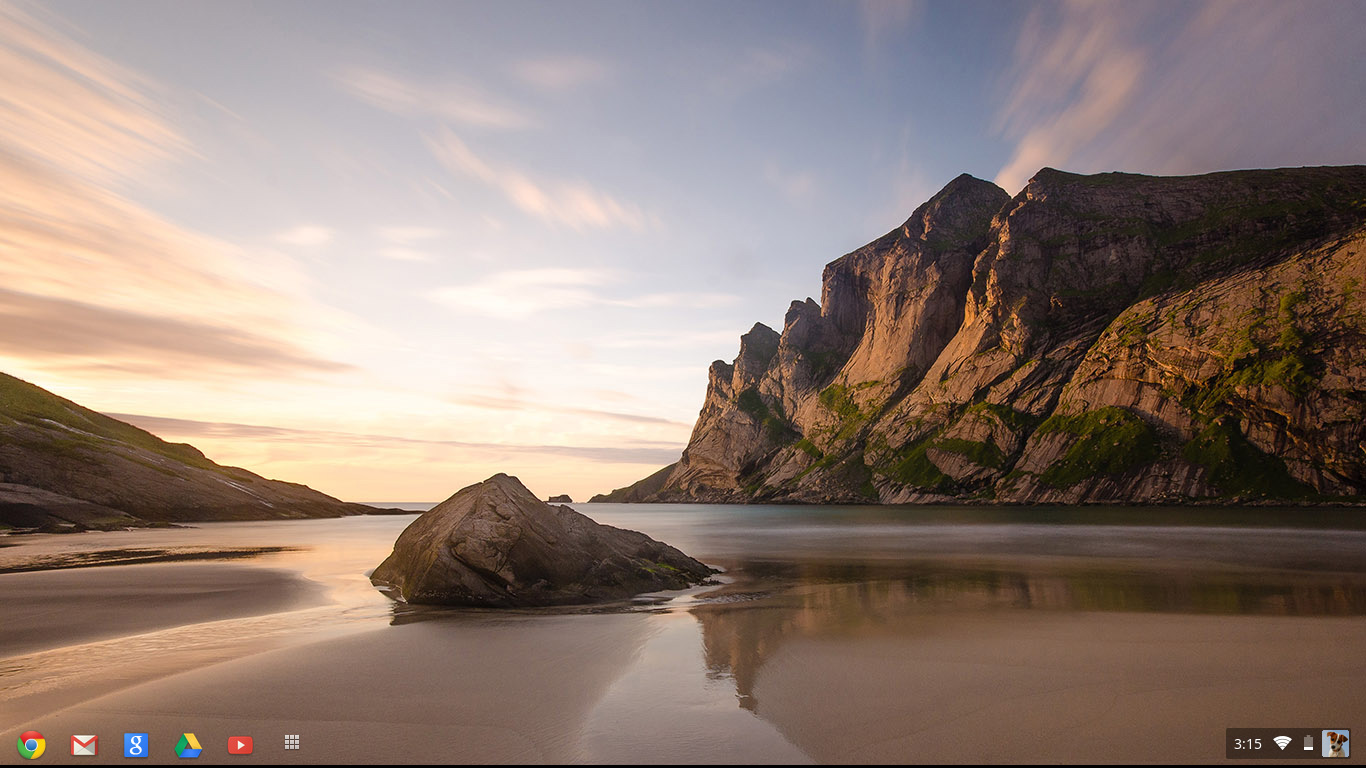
x=1107, y=338
x=640, y=490
x=63, y=464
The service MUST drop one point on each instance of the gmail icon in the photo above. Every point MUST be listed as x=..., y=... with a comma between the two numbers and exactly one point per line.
x=86, y=746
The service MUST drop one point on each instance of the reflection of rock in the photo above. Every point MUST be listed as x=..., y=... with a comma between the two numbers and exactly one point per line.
x=561, y=499
x=495, y=544
x=738, y=638
x=746, y=623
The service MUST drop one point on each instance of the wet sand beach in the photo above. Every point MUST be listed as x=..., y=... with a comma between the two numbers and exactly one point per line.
x=1079, y=652
x=51, y=609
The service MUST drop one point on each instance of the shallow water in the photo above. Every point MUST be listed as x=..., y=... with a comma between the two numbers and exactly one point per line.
x=718, y=673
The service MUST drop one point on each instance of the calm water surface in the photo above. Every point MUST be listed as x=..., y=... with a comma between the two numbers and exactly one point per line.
x=791, y=574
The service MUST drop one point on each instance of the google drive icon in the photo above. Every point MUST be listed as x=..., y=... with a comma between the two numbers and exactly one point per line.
x=188, y=746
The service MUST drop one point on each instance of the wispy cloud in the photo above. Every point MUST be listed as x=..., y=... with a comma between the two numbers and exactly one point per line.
x=1078, y=71
x=519, y=293
x=408, y=235
x=406, y=254
x=1184, y=88
x=91, y=277
x=561, y=73
x=306, y=236
x=666, y=340
x=47, y=328
x=451, y=100
x=518, y=404
x=885, y=20
x=190, y=429
x=523, y=292
x=757, y=67
x=798, y=187
x=73, y=109
x=403, y=242
x=574, y=204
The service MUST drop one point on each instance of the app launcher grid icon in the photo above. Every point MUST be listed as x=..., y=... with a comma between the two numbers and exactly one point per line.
x=292, y=741
x=85, y=745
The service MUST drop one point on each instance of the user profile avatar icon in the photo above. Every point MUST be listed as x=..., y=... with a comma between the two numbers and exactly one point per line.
x=1335, y=743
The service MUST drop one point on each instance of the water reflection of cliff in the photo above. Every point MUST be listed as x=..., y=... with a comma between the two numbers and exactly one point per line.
x=744, y=623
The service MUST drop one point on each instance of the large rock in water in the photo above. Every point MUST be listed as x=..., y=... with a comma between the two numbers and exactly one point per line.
x=496, y=544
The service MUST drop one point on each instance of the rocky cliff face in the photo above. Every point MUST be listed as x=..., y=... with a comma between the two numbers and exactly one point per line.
x=1094, y=339
x=62, y=464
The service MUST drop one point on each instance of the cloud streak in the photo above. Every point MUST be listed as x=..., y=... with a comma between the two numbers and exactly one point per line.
x=191, y=429
x=1183, y=89
x=72, y=109
x=451, y=101
x=521, y=293
x=573, y=204
x=1078, y=71
x=561, y=73
x=77, y=258
x=306, y=236
x=53, y=329
x=884, y=20
x=514, y=404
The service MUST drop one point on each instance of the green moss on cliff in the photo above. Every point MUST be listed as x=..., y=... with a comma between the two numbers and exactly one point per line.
x=1289, y=370
x=810, y=449
x=839, y=400
x=775, y=424
x=1016, y=420
x=1109, y=441
x=982, y=454
x=859, y=476
x=1239, y=468
x=911, y=465
x=848, y=470
x=824, y=364
x=1252, y=359
x=751, y=403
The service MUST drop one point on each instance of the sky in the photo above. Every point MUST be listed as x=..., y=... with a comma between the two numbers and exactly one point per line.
x=390, y=249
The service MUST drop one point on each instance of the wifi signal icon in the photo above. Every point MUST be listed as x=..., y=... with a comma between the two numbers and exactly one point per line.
x=1282, y=741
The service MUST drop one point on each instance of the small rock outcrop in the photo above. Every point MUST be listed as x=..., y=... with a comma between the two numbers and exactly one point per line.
x=495, y=544
x=561, y=499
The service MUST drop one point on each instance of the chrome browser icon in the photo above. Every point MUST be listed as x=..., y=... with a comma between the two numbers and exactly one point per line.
x=31, y=745
x=188, y=746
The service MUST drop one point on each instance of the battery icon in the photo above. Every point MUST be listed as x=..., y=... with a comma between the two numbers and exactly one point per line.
x=1309, y=742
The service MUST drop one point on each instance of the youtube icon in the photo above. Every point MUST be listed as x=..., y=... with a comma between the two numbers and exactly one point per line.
x=239, y=745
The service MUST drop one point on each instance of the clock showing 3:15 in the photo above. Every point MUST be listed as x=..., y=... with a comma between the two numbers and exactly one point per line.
x=1247, y=743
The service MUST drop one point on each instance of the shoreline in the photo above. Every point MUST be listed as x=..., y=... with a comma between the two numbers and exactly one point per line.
x=53, y=609
x=822, y=646
x=133, y=556
x=1014, y=685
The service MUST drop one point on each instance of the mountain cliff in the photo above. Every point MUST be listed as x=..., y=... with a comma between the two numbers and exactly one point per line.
x=1106, y=338
x=63, y=464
